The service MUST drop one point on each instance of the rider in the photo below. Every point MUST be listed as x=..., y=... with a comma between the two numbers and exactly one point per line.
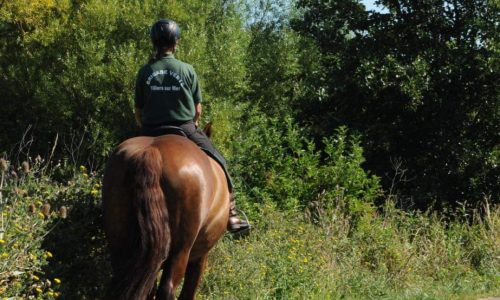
x=167, y=93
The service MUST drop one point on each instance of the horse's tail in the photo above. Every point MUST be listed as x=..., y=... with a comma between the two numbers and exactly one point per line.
x=150, y=241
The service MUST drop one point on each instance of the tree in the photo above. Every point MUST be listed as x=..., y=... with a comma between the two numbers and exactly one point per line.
x=69, y=66
x=420, y=83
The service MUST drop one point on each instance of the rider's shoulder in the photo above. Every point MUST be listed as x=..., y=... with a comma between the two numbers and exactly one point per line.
x=186, y=65
x=187, y=68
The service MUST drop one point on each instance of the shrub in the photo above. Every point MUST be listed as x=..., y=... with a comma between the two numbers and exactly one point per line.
x=51, y=241
x=26, y=196
x=273, y=160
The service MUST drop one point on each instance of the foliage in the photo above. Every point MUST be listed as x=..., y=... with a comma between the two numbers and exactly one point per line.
x=419, y=81
x=26, y=216
x=78, y=243
x=74, y=63
x=272, y=63
x=286, y=168
x=51, y=243
x=415, y=86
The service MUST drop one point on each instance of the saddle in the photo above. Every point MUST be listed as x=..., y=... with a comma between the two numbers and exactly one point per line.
x=164, y=130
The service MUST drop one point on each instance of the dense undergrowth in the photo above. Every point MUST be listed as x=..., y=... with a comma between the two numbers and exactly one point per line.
x=389, y=255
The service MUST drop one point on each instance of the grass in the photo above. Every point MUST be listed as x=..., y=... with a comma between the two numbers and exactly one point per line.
x=393, y=255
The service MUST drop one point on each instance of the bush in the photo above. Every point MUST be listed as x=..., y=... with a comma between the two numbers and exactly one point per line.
x=420, y=86
x=26, y=195
x=333, y=245
x=52, y=243
x=274, y=161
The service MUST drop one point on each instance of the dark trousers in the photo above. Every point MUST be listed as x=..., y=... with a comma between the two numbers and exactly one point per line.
x=197, y=136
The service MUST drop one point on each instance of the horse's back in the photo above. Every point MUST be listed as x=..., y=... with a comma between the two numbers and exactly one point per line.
x=182, y=161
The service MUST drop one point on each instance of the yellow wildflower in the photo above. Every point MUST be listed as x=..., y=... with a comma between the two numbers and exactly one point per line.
x=48, y=254
x=5, y=254
x=39, y=203
x=57, y=280
x=94, y=192
x=35, y=278
x=38, y=290
x=83, y=168
x=51, y=293
x=85, y=175
x=41, y=215
x=2, y=241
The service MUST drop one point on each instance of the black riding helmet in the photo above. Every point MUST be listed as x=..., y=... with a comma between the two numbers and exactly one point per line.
x=165, y=33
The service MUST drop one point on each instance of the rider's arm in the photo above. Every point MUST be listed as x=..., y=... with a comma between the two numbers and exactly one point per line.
x=139, y=100
x=197, y=114
x=196, y=92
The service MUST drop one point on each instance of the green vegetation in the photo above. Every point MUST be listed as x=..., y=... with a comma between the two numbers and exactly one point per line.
x=318, y=253
x=391, y=255
x=41, y=213
x=420, y=82
x=364, y=145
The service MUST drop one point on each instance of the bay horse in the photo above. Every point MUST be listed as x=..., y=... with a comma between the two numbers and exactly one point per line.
x=165, y=205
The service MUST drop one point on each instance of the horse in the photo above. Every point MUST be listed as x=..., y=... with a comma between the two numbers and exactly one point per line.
x=165, y=205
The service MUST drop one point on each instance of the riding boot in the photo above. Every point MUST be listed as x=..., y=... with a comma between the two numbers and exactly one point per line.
x=235, y=224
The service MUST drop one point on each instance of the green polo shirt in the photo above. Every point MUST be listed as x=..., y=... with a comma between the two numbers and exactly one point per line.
x=167, y=90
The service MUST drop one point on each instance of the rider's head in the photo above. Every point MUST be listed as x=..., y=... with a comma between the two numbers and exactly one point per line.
x=165, y=34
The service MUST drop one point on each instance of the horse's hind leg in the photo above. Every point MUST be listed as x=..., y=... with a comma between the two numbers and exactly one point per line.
x=192, y=278
x=173, y=272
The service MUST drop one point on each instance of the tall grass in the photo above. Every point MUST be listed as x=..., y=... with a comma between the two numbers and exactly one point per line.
x=389, y=255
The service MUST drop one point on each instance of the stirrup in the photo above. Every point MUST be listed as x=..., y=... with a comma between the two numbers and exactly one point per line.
x=241, y=228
